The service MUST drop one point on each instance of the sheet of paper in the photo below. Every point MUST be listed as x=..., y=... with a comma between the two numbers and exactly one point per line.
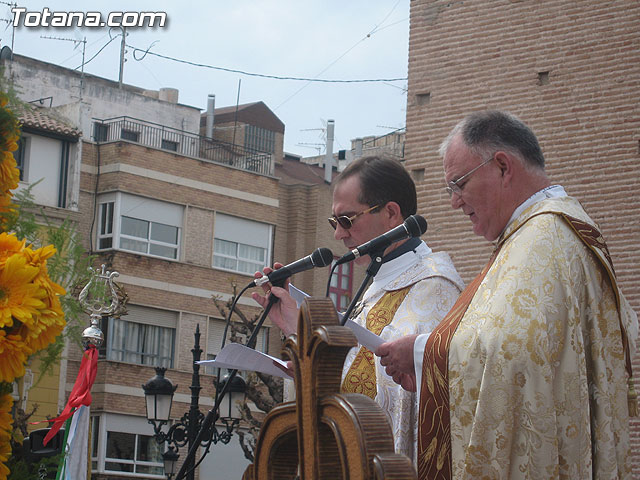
x=365, y=337
x=236, y=355
x=297, y=294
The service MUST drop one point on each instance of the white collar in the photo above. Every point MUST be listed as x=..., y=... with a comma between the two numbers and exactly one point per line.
x=552, y=191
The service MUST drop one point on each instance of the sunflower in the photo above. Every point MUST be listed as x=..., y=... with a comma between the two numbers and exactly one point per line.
x=9, y=135
x=13, y=355
x=38, y=258
x=6, y=401
x=8, y=209
x=31, y=315
x=9, y=173
x=5, y=433
x=9, y=244
x=36, y=339
x=49, y=322
x=20, y=298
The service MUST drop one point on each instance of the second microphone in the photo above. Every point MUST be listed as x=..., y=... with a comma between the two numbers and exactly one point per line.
x=321, y=257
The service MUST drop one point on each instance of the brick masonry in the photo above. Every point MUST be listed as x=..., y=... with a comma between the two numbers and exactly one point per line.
x=570, y=70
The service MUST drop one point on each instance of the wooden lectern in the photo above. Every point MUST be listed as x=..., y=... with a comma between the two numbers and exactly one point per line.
x=325, y=434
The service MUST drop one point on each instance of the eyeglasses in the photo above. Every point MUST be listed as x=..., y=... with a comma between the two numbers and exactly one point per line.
x=347, y=222
x=455, y=187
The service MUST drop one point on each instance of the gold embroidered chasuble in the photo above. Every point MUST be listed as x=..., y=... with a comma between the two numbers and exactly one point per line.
x=434, y=286
x=361, y=376
x=536, y=367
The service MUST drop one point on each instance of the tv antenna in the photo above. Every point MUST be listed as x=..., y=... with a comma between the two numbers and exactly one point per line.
x=10, y=22
x=76, y=42
x=316, y=146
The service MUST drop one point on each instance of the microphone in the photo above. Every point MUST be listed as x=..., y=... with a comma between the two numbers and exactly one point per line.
x=413, y=226
x=321, y=257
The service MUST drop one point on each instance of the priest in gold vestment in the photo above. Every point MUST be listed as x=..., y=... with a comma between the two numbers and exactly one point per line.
x=529, y=375
x=413, y=290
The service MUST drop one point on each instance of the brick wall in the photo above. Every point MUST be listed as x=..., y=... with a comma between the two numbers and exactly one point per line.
x=571, y=71
x=171, y=164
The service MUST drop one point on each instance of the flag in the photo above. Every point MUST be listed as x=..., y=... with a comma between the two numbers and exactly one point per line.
x=81, y=392
x=75, y=463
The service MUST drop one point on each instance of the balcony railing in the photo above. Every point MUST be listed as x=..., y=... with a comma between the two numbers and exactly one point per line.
x=188, y=144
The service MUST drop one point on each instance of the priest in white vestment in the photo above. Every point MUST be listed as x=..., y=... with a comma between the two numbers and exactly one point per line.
x=410, y=294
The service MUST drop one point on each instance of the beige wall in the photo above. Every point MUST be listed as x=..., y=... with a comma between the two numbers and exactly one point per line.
x=42, y=392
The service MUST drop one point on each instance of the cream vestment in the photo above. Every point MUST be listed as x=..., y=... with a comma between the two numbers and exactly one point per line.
x=536, y=366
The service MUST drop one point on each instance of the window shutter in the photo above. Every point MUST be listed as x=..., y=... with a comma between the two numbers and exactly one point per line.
x=151, y=316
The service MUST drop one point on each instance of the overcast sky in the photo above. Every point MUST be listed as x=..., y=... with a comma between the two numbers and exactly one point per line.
x=324, y=39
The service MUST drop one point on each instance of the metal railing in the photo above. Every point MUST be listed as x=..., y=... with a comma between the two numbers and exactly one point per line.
x=188, y=144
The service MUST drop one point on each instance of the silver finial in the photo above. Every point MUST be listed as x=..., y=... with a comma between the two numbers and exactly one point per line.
x=99, y=298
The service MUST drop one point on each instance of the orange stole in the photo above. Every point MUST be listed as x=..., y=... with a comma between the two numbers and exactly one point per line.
x=361, y=377
x=434, y=427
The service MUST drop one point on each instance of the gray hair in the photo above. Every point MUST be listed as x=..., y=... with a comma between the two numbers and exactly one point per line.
x=489, y=131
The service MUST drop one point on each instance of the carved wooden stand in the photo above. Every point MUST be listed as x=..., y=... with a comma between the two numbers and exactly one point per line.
x=325, y=434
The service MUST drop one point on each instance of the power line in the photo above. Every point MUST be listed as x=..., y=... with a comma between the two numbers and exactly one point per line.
x=78, y=53
x=97, y=53
x=374, y=30
x=261, y=75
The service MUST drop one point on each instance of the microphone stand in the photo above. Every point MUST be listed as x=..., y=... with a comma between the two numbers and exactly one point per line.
x=372, y=270
x=213, y=415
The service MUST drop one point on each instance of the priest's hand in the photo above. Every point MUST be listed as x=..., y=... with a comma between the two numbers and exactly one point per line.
x=406, y=381
x=397, y=358
x=283, y=313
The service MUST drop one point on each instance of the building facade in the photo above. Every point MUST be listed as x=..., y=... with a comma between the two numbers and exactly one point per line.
x=181, y=217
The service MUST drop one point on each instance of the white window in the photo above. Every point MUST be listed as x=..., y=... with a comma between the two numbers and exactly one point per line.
x=145, y=336
x=124, y=444
x=139, y=224
x=20, y=155
x=105, y=231
x=241, y=245
x=43, y=163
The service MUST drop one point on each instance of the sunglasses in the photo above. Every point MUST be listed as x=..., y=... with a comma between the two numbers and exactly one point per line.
x=347, y=222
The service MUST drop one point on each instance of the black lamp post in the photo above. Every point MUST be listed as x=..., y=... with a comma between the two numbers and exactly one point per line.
x=159, y=391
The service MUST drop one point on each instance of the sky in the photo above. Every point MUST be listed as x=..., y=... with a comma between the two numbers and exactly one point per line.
x=308, y=39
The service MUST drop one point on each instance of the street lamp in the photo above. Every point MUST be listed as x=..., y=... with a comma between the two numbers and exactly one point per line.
x=229, y=413
x=170, y=460
x=158, y=393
